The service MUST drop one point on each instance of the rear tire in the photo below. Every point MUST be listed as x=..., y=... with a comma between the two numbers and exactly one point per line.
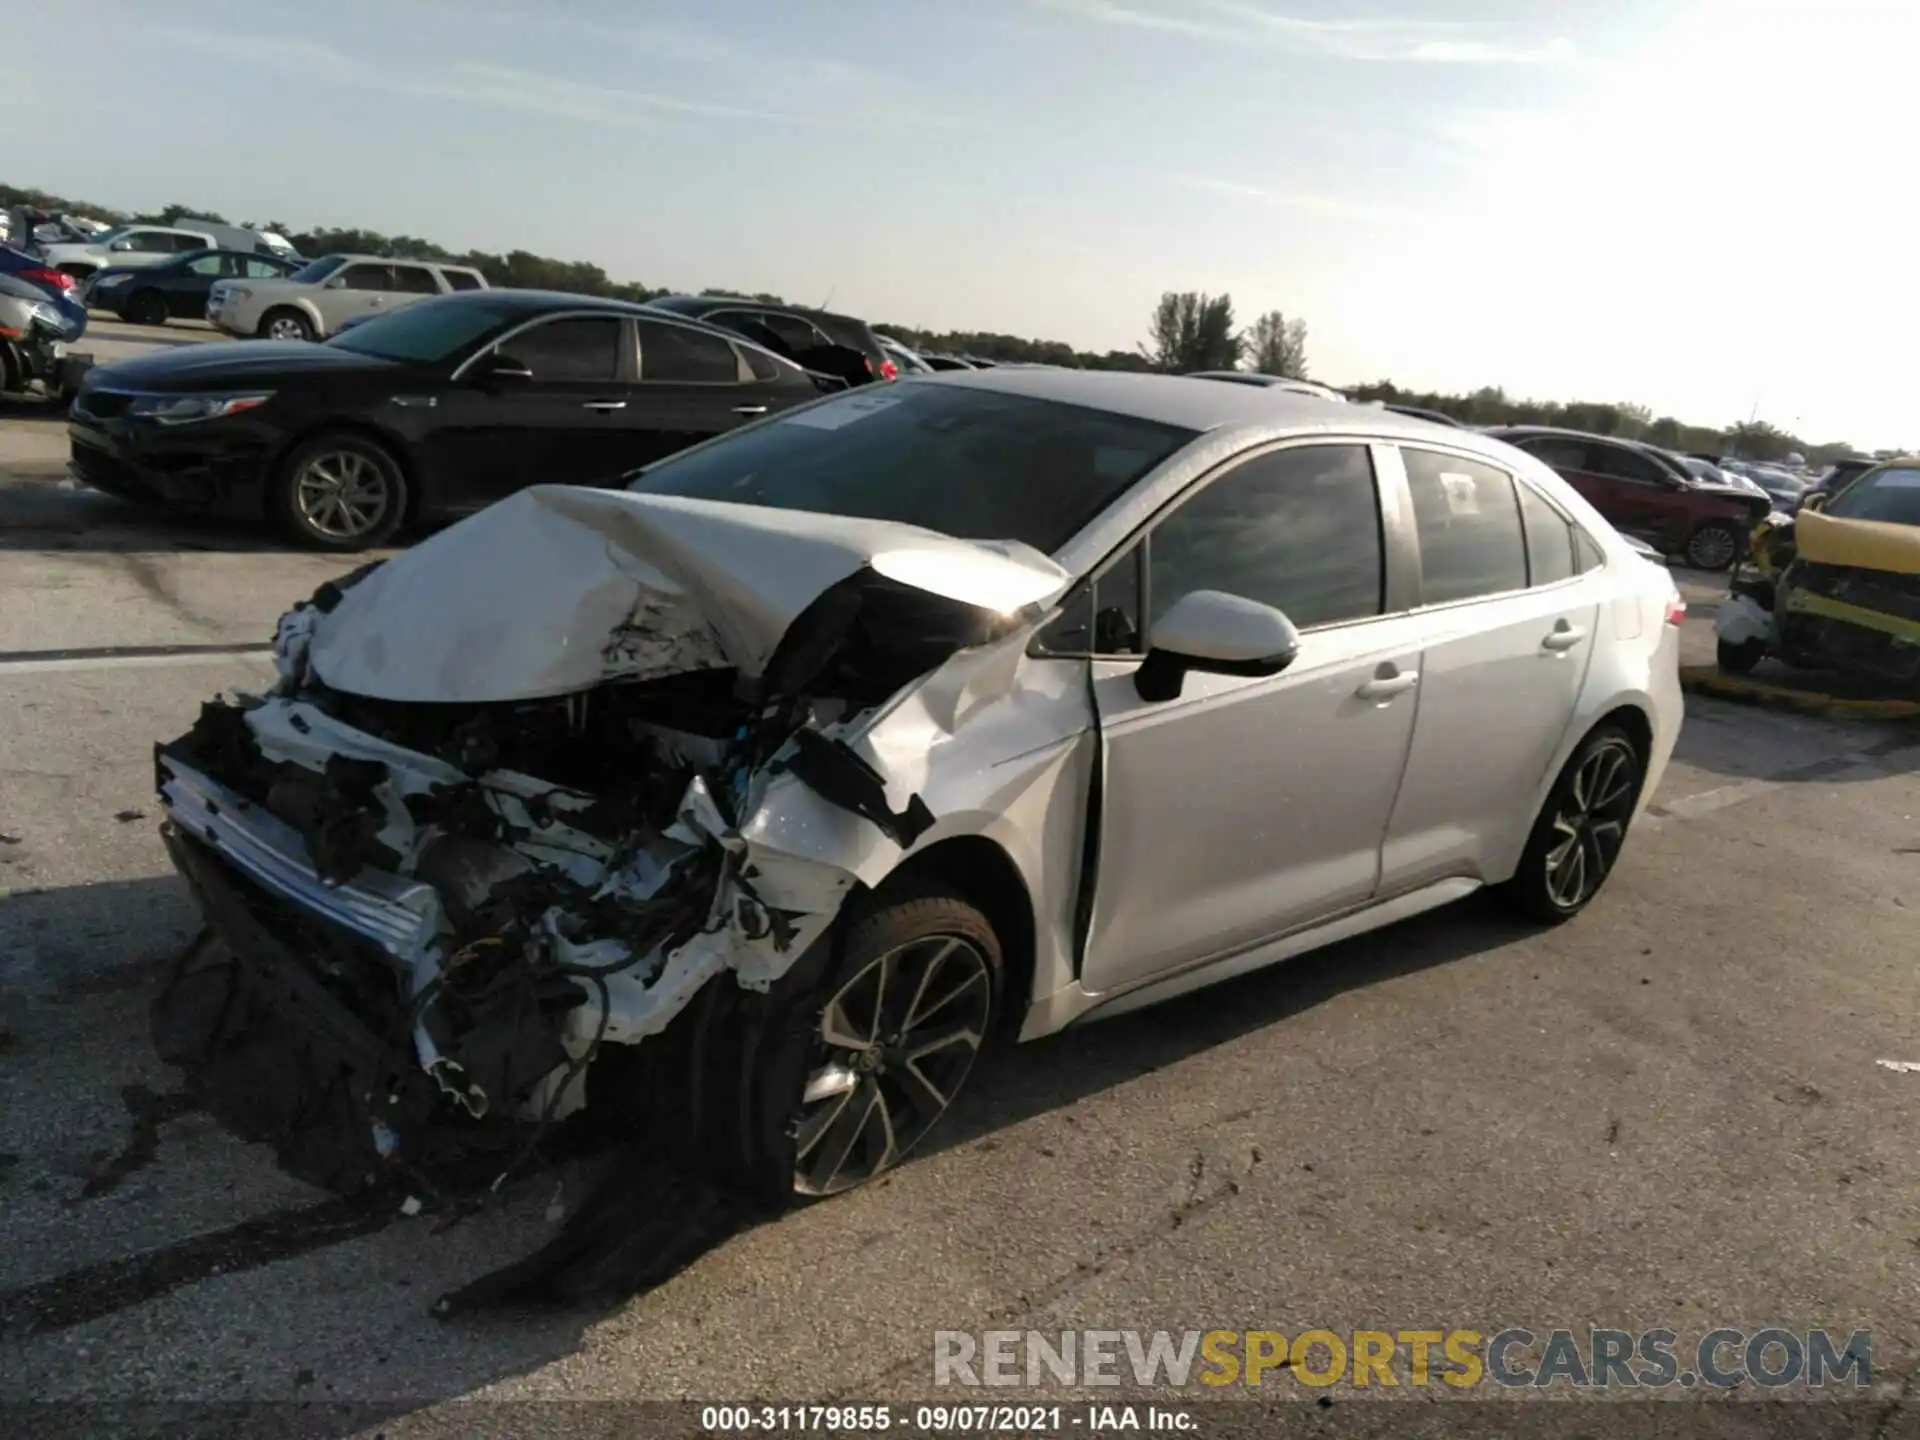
x=1714, y=546
x=285, y=323
x=147, y=307
x=1580, y=830
x=1740, y=658
x=339, y=491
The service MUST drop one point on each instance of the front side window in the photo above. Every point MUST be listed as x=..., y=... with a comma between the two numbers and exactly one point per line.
x=1468, y=522
x=1297, y=529
x=973, y=464
x=255, y=268
x=210, y=265
x=367, y=277
x=676, y=353
x=581, y=349
x=414, y=280
x=1103, y=616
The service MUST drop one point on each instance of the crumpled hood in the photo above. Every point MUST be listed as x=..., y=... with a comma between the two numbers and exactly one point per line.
x=559, y=588
x=1866, y=544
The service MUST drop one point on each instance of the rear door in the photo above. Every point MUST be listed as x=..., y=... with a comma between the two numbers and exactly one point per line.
x=187, y=286
x=692, y=386
x=1647, y=499
x=1507, y=630
x=408, y=283
x=363, y=287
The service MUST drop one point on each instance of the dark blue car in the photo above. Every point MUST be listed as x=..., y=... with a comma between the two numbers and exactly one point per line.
x=176, y=289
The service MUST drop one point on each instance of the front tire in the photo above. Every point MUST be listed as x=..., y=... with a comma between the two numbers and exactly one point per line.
x=1714, y=546
x=340, y=492
x=285, y=324
x=1580, y=830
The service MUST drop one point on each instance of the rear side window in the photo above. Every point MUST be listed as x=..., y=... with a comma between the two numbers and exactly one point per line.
x=1550, y=541
x=414, y=280
x=1624, y=464
x=1298, y=529
x=461, y=279
x=761, y=364
x=583, y=349
x=796, y=334
x=187, y=244
x=1556, y=452
x=673, y=352
x=1468, y=521
x=366, y=277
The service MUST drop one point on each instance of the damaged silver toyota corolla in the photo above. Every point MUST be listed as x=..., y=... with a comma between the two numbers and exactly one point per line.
x=741, y=810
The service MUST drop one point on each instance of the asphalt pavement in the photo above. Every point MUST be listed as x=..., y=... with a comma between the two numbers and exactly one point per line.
x=1672, y=1112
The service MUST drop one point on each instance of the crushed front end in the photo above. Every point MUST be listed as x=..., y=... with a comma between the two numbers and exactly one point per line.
x=460, y=917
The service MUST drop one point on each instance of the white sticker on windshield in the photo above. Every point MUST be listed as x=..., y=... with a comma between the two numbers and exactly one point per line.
x=836, y=414
x=1898, y=480
x=1463, y=497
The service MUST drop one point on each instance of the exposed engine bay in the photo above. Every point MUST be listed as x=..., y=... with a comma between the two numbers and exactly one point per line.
x=451, y=912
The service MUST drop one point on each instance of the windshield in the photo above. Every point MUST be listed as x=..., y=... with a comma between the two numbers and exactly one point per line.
x=429, y=332
x=1889, y=496
x=973, y=464
x=1706, y=471
x=314, y=271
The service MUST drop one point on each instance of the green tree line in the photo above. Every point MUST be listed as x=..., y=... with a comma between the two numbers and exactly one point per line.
x=1187, y=331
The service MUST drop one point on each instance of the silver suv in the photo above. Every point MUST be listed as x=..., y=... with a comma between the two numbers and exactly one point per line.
x=313, y=302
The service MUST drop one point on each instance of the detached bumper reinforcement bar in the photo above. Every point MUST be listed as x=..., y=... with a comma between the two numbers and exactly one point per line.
x=400, y=916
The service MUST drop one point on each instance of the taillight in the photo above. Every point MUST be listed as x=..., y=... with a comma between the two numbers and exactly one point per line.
x=889, y=370
x=1676, y=611
x=59, y=279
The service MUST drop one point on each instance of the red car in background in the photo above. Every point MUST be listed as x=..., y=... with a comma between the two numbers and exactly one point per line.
x=1643, y=493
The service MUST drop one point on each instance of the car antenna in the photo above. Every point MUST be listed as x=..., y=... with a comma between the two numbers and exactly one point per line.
x=835, y=290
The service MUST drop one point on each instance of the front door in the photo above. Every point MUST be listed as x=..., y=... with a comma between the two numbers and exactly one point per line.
x=1507, y=630
x=1245, y=808
x=1643, y=498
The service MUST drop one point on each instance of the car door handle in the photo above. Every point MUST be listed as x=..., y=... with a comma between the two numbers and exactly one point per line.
x=604, y=405
x=1385, y=687
x=1564, y=637
x=749, y=409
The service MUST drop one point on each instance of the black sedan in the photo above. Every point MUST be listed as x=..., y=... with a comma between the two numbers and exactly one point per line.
x=431, y=411
x=177, y=289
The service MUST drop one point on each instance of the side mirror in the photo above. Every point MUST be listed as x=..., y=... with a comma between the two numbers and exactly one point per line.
x=1217, y=634
x=494, y=366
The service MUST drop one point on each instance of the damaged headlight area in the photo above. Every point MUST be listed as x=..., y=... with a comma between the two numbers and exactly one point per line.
x=464, y=920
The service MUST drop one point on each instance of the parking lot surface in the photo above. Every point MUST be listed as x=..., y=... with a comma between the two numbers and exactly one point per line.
x=1671, y=1112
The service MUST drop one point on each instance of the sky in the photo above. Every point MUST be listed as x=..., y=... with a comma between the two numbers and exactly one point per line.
x=1702, y=206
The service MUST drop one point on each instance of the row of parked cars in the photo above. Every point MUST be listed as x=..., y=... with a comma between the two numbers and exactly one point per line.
x=517, y=386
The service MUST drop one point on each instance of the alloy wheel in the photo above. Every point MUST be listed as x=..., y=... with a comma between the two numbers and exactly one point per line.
x=1712, y=548
x=894, y=1046
x=1591, y=824
x=286, y=328
x=342, y=494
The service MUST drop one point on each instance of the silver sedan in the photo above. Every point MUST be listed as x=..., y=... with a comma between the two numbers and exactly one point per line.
x=836, y=748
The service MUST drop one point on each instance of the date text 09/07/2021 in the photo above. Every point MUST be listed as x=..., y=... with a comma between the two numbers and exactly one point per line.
x=1091, y=1419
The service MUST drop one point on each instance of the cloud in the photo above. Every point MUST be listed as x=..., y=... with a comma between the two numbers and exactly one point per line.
x=1237, y=22
x=507, y=87
x=1294, y=200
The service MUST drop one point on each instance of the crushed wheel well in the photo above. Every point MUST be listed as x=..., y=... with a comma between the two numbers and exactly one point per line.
x=981, y=871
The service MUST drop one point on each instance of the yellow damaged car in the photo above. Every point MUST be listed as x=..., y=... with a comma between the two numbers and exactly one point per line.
x=1836, y=588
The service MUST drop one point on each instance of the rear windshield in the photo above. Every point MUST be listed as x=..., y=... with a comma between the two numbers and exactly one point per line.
x=426, y=332
x=968, y=463
x=1890, y=496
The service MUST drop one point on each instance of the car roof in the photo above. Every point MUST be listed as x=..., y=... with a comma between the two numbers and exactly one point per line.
x=1192, y=403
